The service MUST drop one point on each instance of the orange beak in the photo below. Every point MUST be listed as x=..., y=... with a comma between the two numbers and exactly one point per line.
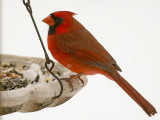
x=48, y=20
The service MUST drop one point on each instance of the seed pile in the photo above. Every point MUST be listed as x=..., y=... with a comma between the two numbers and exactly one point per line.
x=10, y=77
x=13, y=77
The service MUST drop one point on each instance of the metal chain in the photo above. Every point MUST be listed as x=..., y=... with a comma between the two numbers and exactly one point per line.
x=48, y=61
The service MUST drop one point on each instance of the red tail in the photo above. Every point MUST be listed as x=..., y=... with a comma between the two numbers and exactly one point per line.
x=137, y=97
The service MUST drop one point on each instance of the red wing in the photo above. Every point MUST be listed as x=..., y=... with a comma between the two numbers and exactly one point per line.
x=84, y=47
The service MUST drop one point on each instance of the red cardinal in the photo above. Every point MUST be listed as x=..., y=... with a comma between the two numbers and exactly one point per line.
x=72, y=45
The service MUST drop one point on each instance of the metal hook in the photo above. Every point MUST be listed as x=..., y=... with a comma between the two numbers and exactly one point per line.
x=27, y=4
x=48, y=61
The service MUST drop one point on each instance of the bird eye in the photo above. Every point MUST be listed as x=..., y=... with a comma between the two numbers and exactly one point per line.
x=57, y=20
x=52, y=16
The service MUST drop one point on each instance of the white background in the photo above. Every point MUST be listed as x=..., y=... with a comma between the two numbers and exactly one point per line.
x=128, y=29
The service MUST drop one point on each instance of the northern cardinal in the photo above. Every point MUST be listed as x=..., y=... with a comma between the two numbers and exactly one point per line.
x=72, y=45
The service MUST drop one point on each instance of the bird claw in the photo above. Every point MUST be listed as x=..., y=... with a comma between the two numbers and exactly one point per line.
x=69, y=80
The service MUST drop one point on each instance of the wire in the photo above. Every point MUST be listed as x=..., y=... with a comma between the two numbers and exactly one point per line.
x=48, y=60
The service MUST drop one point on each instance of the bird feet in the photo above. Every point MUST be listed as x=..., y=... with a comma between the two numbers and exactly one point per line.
x=69, y=80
